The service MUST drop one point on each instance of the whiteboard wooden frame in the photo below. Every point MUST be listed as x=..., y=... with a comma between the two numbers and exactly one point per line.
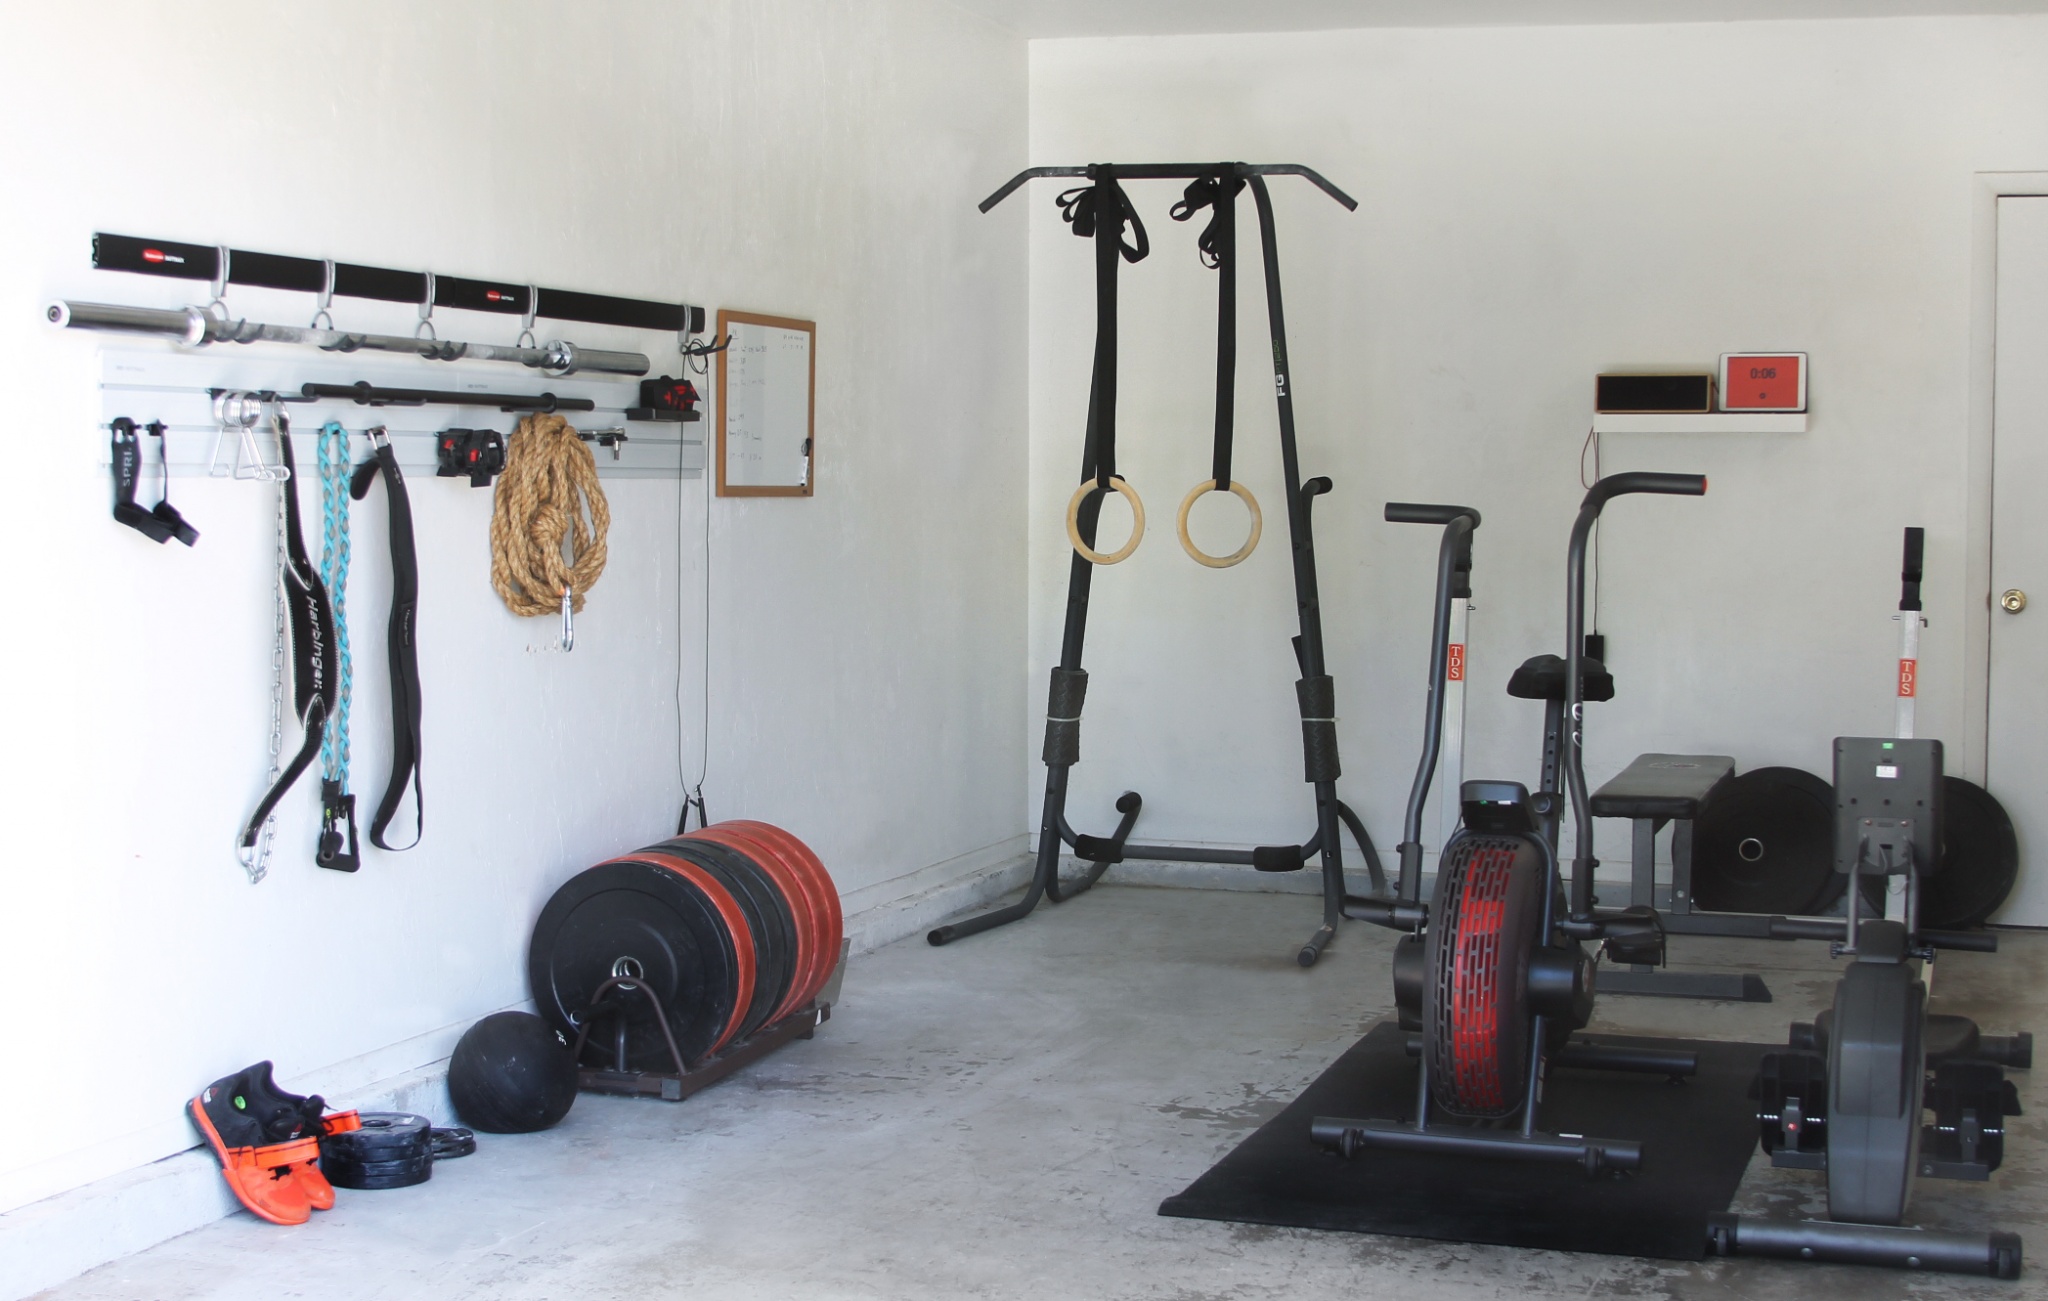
x=726, y=320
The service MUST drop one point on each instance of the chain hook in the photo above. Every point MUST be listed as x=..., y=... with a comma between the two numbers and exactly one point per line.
x=321, y=319
x=222, y=256
x=526, y=338
x=425, y=329
x=568, y=621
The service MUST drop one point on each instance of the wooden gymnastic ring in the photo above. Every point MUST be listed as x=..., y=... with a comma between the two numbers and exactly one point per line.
x=1251, y=503
x=1090, y=554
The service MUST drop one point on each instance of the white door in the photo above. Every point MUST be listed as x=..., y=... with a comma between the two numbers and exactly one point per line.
x=2017, y=760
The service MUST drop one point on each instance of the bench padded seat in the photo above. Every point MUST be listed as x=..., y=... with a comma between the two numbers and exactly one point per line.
x=1662, y=786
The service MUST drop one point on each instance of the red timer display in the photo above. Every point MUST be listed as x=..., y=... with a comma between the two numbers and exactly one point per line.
x=1763, y=381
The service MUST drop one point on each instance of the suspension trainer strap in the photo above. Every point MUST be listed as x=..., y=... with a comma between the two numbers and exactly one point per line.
x=179, y=526
x=1218, y=247
x=337, y=846
x=127, y=462
x=1102, y=212
x=310, y=621
x=401, y=643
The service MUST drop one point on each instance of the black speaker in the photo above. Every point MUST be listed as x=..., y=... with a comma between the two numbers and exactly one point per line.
x=1653, y=393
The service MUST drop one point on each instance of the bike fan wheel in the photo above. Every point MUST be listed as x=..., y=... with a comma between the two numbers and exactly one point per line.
x=1475, y=1016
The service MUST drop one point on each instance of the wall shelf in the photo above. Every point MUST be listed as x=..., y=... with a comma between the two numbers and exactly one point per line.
x=1709, y=422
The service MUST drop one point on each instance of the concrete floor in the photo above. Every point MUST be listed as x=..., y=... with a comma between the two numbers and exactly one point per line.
x=1001, y=1118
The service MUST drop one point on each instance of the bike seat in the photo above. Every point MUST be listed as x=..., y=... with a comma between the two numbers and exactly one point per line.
x=1542, y=677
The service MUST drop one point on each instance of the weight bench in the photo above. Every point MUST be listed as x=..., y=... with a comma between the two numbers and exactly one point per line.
x=1654, y=790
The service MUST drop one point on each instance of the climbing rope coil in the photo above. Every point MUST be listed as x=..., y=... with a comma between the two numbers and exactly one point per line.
x=545, y=554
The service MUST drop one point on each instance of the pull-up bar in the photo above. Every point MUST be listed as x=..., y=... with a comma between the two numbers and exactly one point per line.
x=1176, y=172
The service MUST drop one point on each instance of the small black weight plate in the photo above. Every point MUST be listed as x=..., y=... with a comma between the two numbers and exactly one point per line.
x=774, y=949
x=373, y=1169
x=1765, y=843
x=405, y=1175
x=1980, y=859
x=653, y=924
x=453, y=1142
x=384, y=1136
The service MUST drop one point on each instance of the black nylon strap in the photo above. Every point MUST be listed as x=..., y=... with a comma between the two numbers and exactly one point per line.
x=310, y=620
x=1218, y=246
x=180, y=528
x=401, y=645
x=1102, y=212
x=127, y=460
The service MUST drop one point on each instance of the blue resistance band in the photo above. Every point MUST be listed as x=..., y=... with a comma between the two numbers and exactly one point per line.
x=337, y=848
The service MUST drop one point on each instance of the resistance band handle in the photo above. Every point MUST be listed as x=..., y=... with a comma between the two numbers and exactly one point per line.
x=1410, y=512
x=1909, y=571
x=1619, y=485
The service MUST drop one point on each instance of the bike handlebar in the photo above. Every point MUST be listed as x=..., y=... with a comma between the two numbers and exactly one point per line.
x=1619, y=485
x=1412, y=512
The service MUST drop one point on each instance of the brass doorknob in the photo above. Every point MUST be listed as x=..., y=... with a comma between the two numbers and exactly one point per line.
x=2014, y=600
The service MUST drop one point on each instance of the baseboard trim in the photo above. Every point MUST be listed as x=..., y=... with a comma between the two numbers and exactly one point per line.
x=58, y=1238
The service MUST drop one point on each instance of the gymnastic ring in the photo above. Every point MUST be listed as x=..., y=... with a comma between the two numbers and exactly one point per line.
x=1090, y=554
x=1251, y=504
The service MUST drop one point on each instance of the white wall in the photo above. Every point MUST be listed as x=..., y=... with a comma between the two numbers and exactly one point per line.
x=1536, y=206
x=817, y=160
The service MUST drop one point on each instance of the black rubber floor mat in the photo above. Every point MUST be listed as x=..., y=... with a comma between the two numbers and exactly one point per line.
x=1697, y=1138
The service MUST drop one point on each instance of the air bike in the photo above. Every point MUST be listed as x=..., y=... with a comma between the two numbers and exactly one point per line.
x=1101, y=211
x=1494, y=972
x=1494, y=975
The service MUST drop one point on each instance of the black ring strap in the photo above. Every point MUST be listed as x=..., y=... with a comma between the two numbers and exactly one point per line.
x=1218, y=247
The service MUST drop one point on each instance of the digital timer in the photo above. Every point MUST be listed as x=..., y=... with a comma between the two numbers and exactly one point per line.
x=1763, y=381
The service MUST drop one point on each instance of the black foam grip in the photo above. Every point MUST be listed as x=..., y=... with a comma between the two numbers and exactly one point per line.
x=1069, y=691
x=1319, y=751
x=1318, y=696
x=1098, y=850
x=1062, y=742
x=1278, y=858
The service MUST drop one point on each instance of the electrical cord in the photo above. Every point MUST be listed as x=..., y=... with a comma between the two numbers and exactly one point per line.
x=693, y=792
x=1593, y=542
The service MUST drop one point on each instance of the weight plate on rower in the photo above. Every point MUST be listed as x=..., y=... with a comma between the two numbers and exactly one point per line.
x=1765, y=843
x=1980, y=859
x=649, y=922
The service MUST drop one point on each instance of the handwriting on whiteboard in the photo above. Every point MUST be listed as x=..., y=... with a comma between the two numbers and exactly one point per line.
x=768, y=407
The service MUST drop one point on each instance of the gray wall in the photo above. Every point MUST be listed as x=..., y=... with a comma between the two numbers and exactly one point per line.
x=1536, y=206
x=808, y=159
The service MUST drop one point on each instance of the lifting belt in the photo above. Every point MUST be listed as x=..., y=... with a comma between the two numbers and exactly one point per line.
x=401, y=643
x=311, y=621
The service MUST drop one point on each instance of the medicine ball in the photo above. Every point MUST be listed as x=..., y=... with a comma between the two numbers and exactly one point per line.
x=512, y=1074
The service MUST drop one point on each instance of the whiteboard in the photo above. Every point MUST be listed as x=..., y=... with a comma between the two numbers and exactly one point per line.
x=767, y=404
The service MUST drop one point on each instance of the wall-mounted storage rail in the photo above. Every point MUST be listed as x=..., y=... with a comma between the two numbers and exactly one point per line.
x=233, y=266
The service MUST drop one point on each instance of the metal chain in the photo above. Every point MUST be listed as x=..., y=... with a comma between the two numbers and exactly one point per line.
x=258, y=866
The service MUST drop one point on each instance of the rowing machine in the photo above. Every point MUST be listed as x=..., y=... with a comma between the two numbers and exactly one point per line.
x=1851, y=1094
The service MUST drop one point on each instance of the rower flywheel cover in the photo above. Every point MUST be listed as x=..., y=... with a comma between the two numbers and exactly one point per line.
x=1475, y=1014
